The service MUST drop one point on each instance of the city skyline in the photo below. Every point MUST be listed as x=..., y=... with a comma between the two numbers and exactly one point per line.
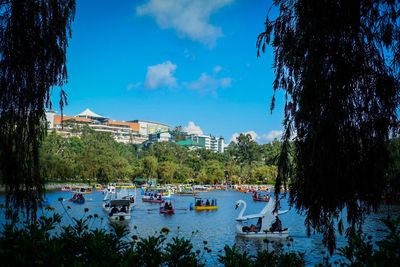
x=143, y=60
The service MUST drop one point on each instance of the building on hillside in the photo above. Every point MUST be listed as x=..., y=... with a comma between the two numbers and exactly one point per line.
x=190, y=144
x=208, y=142
x=126, y=132
x=148, y=127
x=160, y=137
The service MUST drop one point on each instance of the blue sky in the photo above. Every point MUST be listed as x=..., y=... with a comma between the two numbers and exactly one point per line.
x=174, y=61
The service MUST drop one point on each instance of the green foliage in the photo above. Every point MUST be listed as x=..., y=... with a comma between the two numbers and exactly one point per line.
x=97, y=156
x=166, y=171
x=247, y=149
x=45, y=242
x=360, y=250
x=338, y=63
x=178, y=134
x=264, y=174
x=149, y=167
x=179, y=253
x=233, y=258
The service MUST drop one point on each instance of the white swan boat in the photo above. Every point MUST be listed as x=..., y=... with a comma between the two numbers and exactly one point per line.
x=267, y=216
x=120, y=210
x=119, y=204
x=110, y=195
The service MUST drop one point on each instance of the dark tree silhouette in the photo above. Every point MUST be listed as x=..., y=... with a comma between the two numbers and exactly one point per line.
x=338, y=62
x=33, y=40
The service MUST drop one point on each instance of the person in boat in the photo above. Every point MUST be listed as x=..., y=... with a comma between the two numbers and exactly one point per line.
x=166, y=206
x=256, y=228
x=207, y=203
x=277, y=225
x=123, y=209
x=198, y=203
x=212, y=202
x=113, y=210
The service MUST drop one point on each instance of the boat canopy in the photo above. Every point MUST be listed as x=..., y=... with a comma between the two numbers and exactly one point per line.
x=119, y=202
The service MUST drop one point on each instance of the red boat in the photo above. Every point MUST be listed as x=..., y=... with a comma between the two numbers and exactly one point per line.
x=168, y=208
x=167, y=211
x=153, y=200
x=265, y=198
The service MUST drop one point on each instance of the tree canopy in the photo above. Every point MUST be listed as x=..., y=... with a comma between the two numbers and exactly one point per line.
x=33, y=42
x=338, y=63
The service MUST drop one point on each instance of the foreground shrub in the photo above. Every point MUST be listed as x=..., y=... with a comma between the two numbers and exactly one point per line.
x=360, y=250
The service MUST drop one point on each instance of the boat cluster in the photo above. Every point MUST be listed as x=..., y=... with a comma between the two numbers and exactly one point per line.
x=119, y=203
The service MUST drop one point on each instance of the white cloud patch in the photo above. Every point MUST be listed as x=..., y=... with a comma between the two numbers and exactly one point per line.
x=131, y=86
x=189, y=18
x=160, y=75
x=217, y=69
x=193, y=129
x=260, y=139
x=272, y=135
x=209, y=83
x=253, y=135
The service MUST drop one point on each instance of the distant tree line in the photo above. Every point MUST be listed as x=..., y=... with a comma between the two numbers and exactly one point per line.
x=96, y=156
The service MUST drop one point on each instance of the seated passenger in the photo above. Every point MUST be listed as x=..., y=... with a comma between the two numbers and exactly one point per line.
x=276, y=226
x=256, y=228
x=113, y=210
x=258, y=225
x=123, y=209
x=207, y=203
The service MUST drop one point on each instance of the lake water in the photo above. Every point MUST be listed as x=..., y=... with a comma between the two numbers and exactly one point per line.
x=216, y=227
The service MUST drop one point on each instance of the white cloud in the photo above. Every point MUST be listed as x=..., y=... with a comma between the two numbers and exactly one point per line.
x=193, y=129
x=189, y=18
x=217, y=69
x=209, y=83
x=253, y=135
x=272, y=135
x=160, y=75
x=130, y=86
x=263, y=139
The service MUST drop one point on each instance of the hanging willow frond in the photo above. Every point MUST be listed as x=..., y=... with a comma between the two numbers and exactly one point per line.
x=33, y=41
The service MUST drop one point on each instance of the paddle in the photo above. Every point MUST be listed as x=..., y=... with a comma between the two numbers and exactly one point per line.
x=153, y=209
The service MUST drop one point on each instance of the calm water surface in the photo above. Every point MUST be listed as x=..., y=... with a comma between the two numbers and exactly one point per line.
x=215, y=227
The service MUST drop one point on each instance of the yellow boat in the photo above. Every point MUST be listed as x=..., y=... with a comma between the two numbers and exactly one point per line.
x=200, y=204
x=125, y=185
x=205, y=207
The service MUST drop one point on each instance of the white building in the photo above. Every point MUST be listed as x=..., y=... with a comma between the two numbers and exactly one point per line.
x=126, y=132
x=160, y=137
x=149, y=127
x=208, y=142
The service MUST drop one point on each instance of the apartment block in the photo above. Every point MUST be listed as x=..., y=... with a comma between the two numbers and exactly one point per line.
x=208, y=142
x=126, y=132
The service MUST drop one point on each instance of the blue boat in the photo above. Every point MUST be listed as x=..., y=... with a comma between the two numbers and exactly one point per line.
x=78, y=199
